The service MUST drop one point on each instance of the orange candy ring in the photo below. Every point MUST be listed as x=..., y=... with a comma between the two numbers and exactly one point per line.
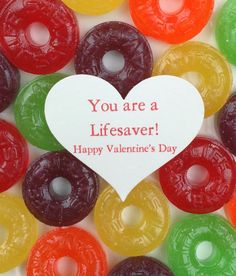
x=72, y=242
x=172, y=27
x=230, y=210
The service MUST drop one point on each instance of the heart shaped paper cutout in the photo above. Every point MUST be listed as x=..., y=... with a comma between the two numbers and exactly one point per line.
x=124, y=140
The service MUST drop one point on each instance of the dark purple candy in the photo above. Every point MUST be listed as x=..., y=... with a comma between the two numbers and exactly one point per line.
x=120, y=37
x=9, y=82
x=143, y=266
x=44, y=204
x=227, y=124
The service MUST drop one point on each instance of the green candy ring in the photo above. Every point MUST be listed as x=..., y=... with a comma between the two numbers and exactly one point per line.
x=191, y=231
x=29, y=112
x=226, y=29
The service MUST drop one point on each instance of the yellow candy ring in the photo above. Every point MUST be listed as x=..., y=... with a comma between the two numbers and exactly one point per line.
x=21, y=232
x=204, y=66
x=141, y=237
x=93, y=7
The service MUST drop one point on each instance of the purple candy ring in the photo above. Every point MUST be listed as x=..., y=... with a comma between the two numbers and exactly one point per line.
x=124, y=39
x=145, y=266
x=56, y=209
x=227, y=124
x=9, y=82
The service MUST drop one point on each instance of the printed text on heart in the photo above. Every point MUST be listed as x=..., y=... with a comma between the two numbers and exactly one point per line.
x=105, y=129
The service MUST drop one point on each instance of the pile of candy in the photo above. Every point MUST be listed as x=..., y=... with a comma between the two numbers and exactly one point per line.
x=18, y=216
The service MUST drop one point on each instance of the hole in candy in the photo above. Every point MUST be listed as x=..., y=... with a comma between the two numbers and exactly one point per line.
x=198, y=175
x=204, y=251
x=66, y=266
x=131, y=215
x=171, y=6
x=60, y=188
x=194, y=77
x=113, y=61
x=3, y=234
x=38, y=34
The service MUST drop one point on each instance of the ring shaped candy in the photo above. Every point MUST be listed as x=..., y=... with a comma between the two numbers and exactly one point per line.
x=10, y=82
x=213, y=73
x=21, y=232
x=133, y=239
x=17, y=18
x=175, y=27
x=71, y=242
x=227, y=124
x=14, y=155
x=225, y=31
x=49, y=207
x=185, y=237
x=120, y=37
x=230, y=210
x=208, y=194
x=141, y=265
x=93, y=7
x=29, y=112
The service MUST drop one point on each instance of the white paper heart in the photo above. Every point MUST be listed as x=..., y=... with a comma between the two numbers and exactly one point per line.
x=75, y=115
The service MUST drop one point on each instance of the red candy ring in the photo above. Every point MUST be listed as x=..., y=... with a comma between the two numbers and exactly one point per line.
x=203, y=196
x=16, y=17
x=71, y=242
x=173, y=28
x=14, y=155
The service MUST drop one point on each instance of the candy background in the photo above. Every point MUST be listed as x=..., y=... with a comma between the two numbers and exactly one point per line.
x=208, y=128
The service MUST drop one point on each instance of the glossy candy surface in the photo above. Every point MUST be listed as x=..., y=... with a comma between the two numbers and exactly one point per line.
x=225, y=30
x=21, y=232
x=14, y=155
x=230, y=210
x=16, y=19
x=213, y=73
x=29, y=112
x=141, y=237
x=227, y=124
x=120, y=37
x=190, y=232
x=93, y=7
x=142, y=265
x=47, y=206
x=9, y=82
x=174, y=27
x=210, y=193
x=71, y=242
